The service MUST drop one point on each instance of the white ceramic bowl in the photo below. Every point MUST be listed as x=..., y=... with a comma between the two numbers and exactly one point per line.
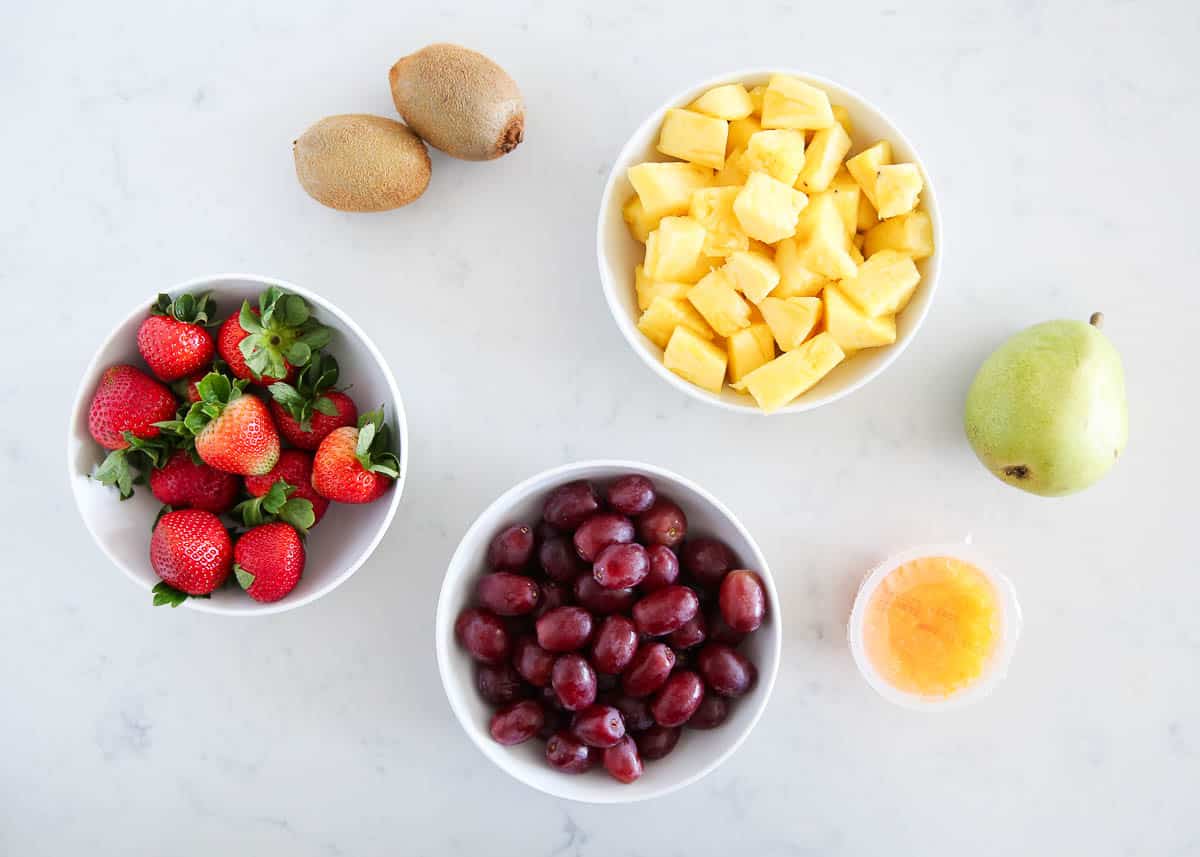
x=346, y=535
x=619, y=252
x=698, y=752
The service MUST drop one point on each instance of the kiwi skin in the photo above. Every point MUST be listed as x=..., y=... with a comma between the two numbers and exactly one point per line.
x=357, y=162
x=459, y=101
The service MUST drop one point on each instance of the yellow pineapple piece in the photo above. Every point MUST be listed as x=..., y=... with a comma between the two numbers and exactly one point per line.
x=694, y=137
x=640, y=224
x=897, y=187
x=767, y=208
x=823, y=158
x=795, y=280
x=842, y=115
x=740, y=132
x=712, y=208
x=865, y=165
x=858, y=240
x=666, y=189
x=748, y=349
x=673, y=249
x=722, y=307
x=779, y=154
x=756, y=97
x=822, y=240
x=648, y=289
x=847, y=196
x=884, y=284
x=911, y=234
x=867, y=217
x=732, y=174
x=730, y=101
x=695, y=359
x=851, y=327
x=791, y=320
x=752, y=273
x=792, y=103
x=665, y=314
x=775, y=384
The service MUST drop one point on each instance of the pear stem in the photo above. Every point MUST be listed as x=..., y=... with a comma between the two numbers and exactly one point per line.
x=1097, y=320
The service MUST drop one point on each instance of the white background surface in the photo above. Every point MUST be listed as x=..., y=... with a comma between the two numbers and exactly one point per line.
x=146, y=144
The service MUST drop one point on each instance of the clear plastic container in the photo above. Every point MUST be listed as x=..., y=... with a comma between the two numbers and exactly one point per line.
x=996, y=665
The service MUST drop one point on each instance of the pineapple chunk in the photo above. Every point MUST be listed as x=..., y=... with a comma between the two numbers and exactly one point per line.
x=694, y=137
x=858, y=241
x=897, y=187
x=911, y=234
x=855, y=251
x=867, y=217
x=884, y=284
x=767, y=208
x=666, y=189
x=752, y=273
x=842, y=115
x=795, y=280
x=824, y=157
x=792, y=103
x=791, y=320
x=851, y=327
x=779, y=154
x=740, y=132
x=756, y=97
x=847, y=196
x=648, y=289
x=731, y=101
x=865, y=165
x=695, y=359
x=712, y=208
x=775, y=384
x=665, y=314
x=640, y=225
x=722, y=307
x=822, y=240
x=748, y=349
x=673, y=249
x=732, y=174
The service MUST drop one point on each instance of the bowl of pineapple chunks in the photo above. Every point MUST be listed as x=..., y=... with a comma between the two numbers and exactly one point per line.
x=768, y=241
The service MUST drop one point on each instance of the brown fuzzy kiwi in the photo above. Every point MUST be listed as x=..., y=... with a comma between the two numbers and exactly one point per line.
x=459, y=101
x=356, y=162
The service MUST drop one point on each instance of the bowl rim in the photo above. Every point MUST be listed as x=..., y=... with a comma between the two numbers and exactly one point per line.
x=460, y=564
x=635, y=339
x=83, y=401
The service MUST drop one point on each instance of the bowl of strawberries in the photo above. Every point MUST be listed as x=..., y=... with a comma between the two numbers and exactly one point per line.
x=238, y=445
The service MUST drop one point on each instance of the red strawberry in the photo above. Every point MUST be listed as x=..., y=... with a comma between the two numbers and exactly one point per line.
x=308, y=411
x=187, y=387
x=267, y=343
x=184, y=483
x=322, y=425
x=173, y=341
x=233, y=431
x=294, y=468
x=128, y=400
x=268, y=561
x=191, y=552
x=356, y=465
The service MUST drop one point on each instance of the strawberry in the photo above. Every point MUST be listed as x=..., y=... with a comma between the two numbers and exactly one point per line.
x=294, y=469
x=232, y=431
x=191, y=552
x=308, y=411
x=125, y=416
x=355, y=465
x=173, y=341
x=187, y=484
x=267, y=343
x=268, y=561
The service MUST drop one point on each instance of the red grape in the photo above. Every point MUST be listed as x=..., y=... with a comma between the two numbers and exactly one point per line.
x=631, y=495
x=594, y=597
x=727, y=672
x=720, y=632
x=517, y=723
x=556, y=720
x=664, y=610
x=651, y=665
x=707, y=560
x=567, y=753
x=662, y=524
x=569, y=505
x=622, y=761
x=551, y=701
x=743, y=601
x=598, y=726
x=634, y=711
x=550, y=595
x=621, y=566
x=483, y=635
x=657, y=741
x=511, y=548
x=690, y=633
x=678, y=699
x=507, y=594
x=664, y=568
x=615, y=643
x=711, y=713
x=499, y=684
x=574, y=681
x=599, y=531
x=558, y=559
x=564, y=629
x=532, y=662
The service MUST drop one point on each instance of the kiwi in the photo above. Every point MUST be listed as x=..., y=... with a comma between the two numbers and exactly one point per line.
x=356, y=162
x=459, y=101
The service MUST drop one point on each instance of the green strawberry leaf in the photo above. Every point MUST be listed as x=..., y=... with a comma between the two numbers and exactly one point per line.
x=187, y=308
x=244, y=578
x=286, y=395
x=117, y=470
x=164, y=593
x=277, y=505
x=248, y=321
x=164, y=510
x=298, y=353
x=373, y=449
x=316, y=336
x=299, y=513
x=325, y=405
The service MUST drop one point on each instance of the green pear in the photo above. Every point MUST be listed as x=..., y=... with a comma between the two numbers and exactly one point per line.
x=1046, y=411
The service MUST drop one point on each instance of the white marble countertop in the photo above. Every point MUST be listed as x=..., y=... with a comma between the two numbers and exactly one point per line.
x=147, y=143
